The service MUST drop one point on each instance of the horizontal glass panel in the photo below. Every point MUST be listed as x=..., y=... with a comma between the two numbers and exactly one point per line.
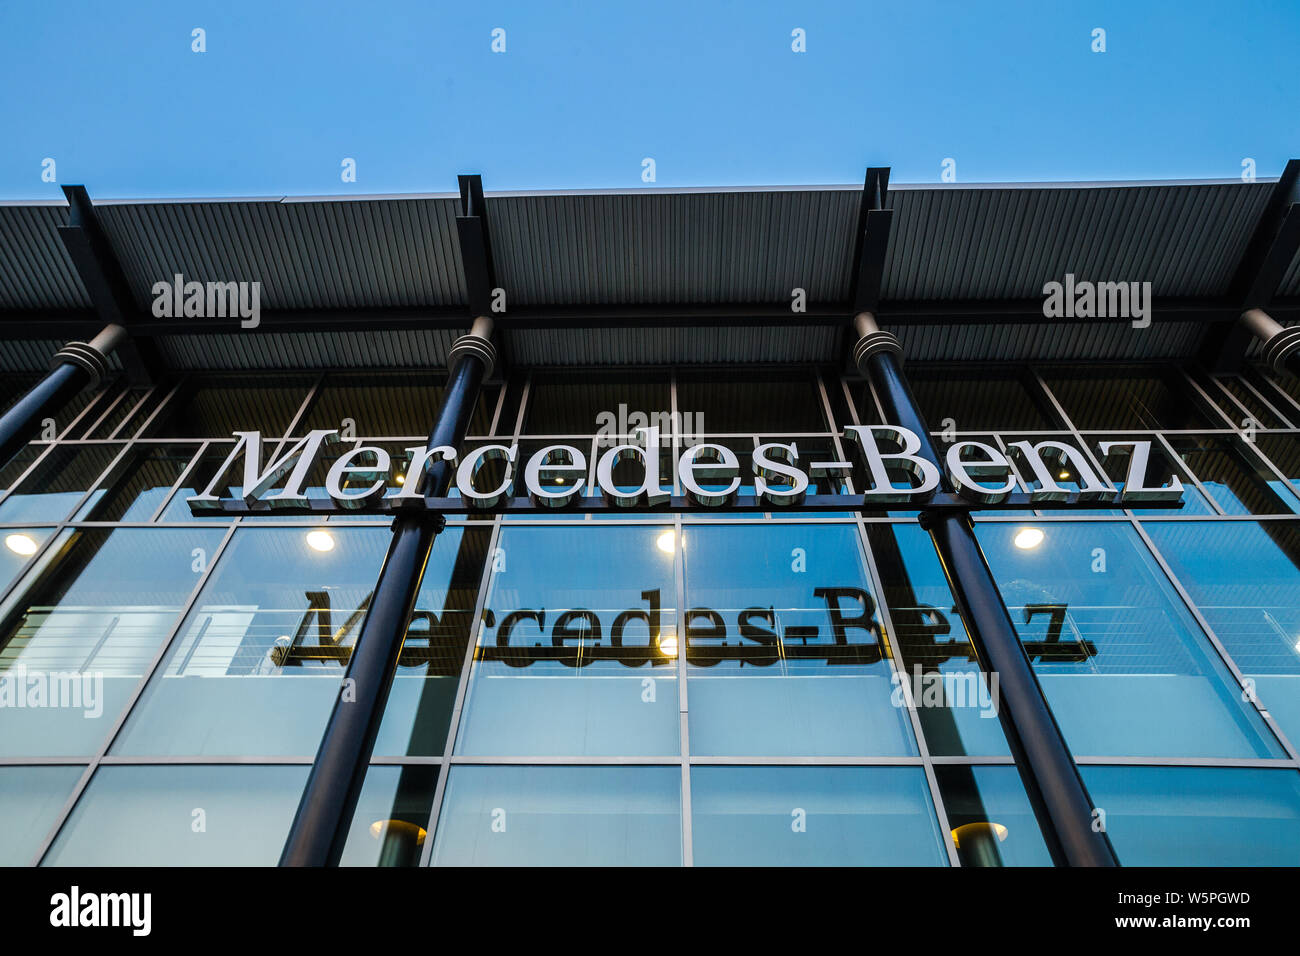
x=1232, y=473
x=30, y=801
x=216, y=406
x=1124, y=665
x=574, y=403
x=20, y=544
x=577, y=653
x=784, y=645
x=561, y=816
x=79, y=632
x=1199, y=816
x=750, y=401
x=992, y=821
x=1245, y=578
x=181, y=816
x=137, y=485
x=388, y=405
x=256, y=666
x=813, y=816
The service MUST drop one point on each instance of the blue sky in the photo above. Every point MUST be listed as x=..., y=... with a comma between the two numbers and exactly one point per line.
x=585, y=91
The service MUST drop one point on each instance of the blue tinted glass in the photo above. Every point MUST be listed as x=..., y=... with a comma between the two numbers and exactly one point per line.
x=577, y=652
x=1199, y=816
x=1123, y=663
x=1245, y=578
x=19, y=546
x=957, y=712
x=30, y=801
x=813, y=816
x=181, y=816
x=784, y=647
x=991, y=819
x=560, y=816
x=80, y=631
x=388, y=827
x=53, y=488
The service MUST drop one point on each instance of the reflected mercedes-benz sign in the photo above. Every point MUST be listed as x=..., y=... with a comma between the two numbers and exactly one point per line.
x=493, y=477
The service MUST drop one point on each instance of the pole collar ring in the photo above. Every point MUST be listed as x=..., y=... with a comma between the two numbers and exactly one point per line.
x=84, y=355
x=1281, y=347
x=476, y=346
x=874, y=342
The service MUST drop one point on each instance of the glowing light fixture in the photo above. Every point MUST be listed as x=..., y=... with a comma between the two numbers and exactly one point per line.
x=1028, y=538
x=320, y=541
x=20, y=544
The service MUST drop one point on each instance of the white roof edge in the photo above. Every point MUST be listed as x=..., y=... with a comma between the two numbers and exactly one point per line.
x=649, y=190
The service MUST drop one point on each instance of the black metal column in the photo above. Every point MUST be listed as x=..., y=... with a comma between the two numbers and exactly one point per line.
x=76, y=366
x=1051, y=778
x=320, y=827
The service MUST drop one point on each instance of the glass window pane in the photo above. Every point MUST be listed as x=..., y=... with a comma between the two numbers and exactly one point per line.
x=138, y=484
x=53, y=488
x=388, y=827
x=79, y=633
x=1232, y=473
x=1124, y=666
x=388, y=404
x=577, y=651
x=784, y=645
x=1257, y=411
x=1245, y=578
x=991, y=819
x=181, y=816
x=255, y=667
x=30, y=801
x=980, y=400
x=20, y=545
x=15, y=385
x=214, y=407
x=1199, y=816
x=561, y=816
x=1161, y=468
x=1124, y=399
x=958, y=714
x=747, y=402
x=813, y=816
x=580, y=404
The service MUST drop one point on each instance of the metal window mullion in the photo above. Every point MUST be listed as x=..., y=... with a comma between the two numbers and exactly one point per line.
x=679, y=585
x=180, y=480
x=144, y=426
x=1174, y=456
x=93, y=765
x=1250, y=387
x=1222, y=651
x=90, y=429
x=131, y=414
x=1209, y=401
x=462, y=689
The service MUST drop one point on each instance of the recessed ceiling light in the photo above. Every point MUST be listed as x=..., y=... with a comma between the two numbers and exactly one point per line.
x=1027, y=538
x=320, y=541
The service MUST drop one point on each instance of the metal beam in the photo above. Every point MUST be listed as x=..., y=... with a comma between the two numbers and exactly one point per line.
x=27, y=324
x=871, y=242
x=105, y=282
x=475, y=246
x=1272, y=248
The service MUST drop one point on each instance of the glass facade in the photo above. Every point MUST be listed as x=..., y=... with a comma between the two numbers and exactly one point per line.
x=708, y=688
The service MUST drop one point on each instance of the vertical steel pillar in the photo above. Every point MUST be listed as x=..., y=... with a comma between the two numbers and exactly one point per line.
x=1051, y=778
x=320, y=827
x=76, y=366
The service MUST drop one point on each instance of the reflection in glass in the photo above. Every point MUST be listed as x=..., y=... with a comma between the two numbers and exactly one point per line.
x=55, y=486
x=1245, y=578
x=984, y=399
x=138, y=484
x=560, y=816
x=147, y=816
x=388, y=827
x=20, y=544
x=30, y=801
x=991, y=819
x=784, y=645
x=216, y=406
x=1151, y=398
x=1232, y=473
x=579, y=404
x=1123, y=664
x=577, y=653
x=387, y=404
x=813, y=816
x=79, y=632
x=957, y=712
x=255, y=667
x=747, y=401
x=1199, y=816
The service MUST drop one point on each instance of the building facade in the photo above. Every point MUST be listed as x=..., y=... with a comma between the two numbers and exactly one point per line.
x=693, y=685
